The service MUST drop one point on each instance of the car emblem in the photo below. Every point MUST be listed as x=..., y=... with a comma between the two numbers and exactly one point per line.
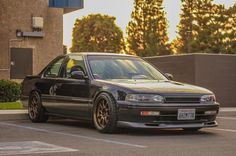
x=52, y=90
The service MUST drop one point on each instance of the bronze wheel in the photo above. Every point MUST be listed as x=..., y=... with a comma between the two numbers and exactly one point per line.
x=35, y=108
x=104, y=113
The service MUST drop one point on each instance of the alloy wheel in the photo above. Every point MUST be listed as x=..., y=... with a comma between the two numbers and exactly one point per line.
x=102, y=113
x=34, y=106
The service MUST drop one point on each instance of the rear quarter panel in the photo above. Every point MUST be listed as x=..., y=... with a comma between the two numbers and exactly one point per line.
x=28, y=85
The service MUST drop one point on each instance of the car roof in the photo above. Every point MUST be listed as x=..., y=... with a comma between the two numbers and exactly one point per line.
x=99, y=54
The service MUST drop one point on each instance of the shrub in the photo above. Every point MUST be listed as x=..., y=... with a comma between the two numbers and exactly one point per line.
x=9, y=91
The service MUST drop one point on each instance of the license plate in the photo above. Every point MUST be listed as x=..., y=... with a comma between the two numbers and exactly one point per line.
x=186, y=114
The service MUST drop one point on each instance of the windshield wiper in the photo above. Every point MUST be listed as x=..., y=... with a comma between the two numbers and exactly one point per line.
x=139, y=77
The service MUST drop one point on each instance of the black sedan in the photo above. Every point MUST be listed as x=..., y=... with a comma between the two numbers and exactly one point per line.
x=113, y=90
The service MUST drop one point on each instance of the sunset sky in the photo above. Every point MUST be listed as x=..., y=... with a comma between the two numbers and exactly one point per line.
x=122, y=9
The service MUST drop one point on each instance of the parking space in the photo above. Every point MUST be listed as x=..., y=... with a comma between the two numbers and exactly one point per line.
x=30, y=147
x=78, y=138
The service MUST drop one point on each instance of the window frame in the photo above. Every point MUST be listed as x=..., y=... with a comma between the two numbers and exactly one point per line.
x=66, y=60
x=50, y=65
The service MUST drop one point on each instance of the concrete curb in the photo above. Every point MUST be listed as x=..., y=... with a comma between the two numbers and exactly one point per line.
x=8, y=115
x=227, y=111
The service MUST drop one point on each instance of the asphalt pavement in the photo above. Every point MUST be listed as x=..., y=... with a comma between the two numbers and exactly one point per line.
x=62, y=137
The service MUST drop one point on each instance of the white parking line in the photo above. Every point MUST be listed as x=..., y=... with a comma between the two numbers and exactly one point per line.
x=225, y=130
x=74, y=135
x=229, y=118
x=31, y=147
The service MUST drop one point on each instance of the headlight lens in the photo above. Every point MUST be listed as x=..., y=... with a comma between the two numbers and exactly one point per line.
x=144, y=98
x=208, y=98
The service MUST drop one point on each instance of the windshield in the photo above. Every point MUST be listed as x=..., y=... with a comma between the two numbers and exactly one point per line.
x=118, y=67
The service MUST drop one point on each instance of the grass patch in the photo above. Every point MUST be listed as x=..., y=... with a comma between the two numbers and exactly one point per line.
x=11, y=105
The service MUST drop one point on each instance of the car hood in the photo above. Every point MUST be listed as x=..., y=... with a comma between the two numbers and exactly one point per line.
x=154, y=86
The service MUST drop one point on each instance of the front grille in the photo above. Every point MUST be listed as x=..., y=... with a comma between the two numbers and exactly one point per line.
x=182, y=100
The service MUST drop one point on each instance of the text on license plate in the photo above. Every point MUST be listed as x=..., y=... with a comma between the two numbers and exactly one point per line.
x=186, y=114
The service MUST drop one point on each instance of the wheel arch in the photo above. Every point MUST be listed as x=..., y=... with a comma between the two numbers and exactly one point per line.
x=35, y=90
x=100, y=92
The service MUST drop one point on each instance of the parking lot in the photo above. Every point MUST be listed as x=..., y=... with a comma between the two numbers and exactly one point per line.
x=69, y=137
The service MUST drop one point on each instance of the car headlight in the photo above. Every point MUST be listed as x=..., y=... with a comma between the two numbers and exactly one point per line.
x=144, y=98
x=208, y=98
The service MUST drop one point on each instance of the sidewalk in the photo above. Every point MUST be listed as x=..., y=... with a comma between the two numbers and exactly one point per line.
x=8, y=115
x=227, y=111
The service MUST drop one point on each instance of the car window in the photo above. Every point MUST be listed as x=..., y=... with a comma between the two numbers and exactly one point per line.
x=75, y=63
x=53, y=70
x=109, y=68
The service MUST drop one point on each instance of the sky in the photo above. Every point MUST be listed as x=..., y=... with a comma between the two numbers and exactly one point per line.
x=121, y=9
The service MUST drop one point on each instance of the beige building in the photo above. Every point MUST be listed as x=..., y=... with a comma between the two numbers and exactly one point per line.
x=31, y=34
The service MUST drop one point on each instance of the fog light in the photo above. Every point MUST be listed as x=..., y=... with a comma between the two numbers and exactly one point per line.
x=212, y=112
x=149, y=113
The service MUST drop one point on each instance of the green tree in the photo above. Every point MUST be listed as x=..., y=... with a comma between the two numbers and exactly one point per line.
x=230, y=30
x=205, y=27
x=208, y=30
x=147, y=30
x=97, y=33
x=185, y=26
x=64, y=49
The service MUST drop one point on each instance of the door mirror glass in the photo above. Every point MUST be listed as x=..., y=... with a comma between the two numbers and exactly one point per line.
x=169, y=76
x=78, y=75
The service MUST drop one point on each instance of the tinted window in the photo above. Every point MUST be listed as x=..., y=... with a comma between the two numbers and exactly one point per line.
x=116, y=67
x=53, y=70
x=75, y=63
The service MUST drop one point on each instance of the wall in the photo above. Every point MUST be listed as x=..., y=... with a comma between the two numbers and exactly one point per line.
x=4, y=38
x=17, y=14
x=181, y=66
x=214, y=72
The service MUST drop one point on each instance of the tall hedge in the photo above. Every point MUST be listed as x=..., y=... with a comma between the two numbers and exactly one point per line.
x=9, y=91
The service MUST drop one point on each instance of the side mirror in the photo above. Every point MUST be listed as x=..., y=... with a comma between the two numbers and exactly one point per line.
x=78, y=75
x=169, y=76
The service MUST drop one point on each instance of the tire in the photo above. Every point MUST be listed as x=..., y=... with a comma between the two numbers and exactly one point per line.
x=105, y=114
x=36, y=111
x=191, y=129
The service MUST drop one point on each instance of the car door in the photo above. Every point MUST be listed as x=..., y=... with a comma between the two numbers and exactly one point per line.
x=47, y=84
x=73, y=94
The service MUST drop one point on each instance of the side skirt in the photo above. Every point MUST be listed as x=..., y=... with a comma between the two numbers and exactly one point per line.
x=69, y=117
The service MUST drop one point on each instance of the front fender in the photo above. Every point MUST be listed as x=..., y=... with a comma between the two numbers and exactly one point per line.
x=116, y=92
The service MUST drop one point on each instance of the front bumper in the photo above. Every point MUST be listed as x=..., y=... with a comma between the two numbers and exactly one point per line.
x=167, y=125
x=129, y=116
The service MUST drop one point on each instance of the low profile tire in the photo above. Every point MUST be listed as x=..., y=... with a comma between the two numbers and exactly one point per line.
x=105, y=114
x=35, y=108
x=191, y=129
